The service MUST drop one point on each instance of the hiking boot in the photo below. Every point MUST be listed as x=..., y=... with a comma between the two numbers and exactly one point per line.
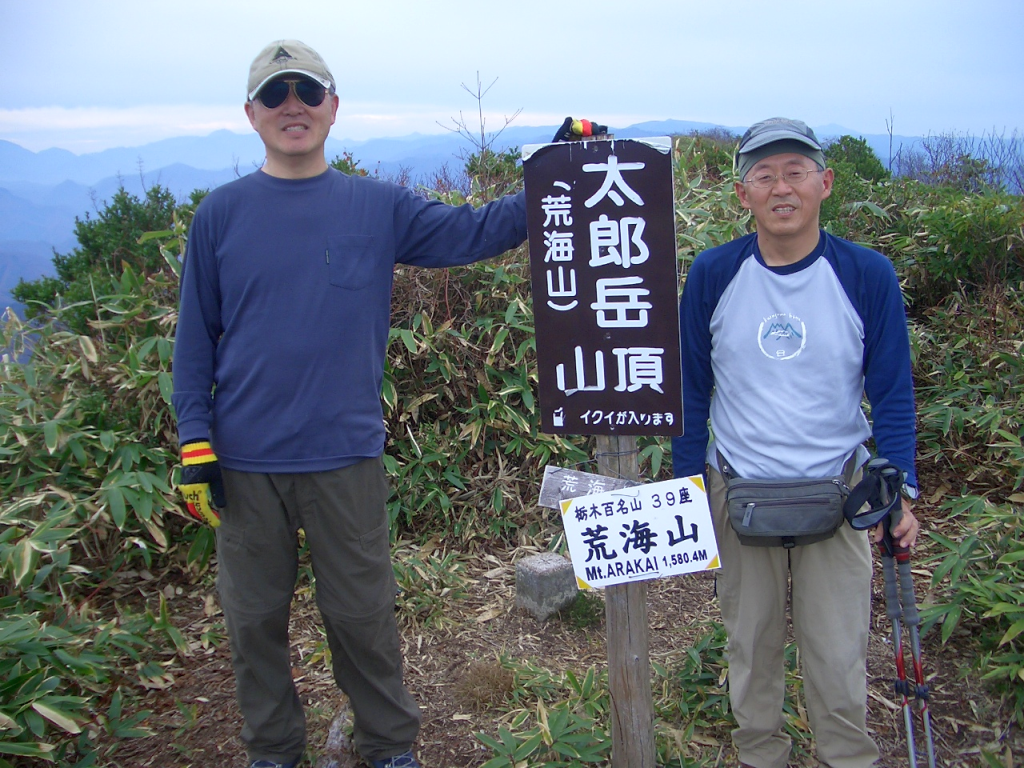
x=404, y=760
x=271, y=764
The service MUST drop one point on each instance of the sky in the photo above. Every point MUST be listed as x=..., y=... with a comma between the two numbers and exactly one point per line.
x=90, y=75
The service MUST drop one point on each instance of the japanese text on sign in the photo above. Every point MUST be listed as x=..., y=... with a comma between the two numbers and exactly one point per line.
x=644, y=532
x=602, y=246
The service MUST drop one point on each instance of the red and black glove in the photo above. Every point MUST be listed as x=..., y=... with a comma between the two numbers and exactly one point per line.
x=572, y=130
x=201, y=482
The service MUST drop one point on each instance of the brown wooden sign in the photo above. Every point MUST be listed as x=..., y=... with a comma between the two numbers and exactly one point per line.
x=603, y=261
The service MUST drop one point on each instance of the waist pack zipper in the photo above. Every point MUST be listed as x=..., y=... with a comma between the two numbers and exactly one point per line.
x=836, y=481
x=809, y=502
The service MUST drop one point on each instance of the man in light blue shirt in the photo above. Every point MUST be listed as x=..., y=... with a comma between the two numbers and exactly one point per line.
x=783, y=332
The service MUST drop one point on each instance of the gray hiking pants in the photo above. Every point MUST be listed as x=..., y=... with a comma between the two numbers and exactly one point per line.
x=344, y=517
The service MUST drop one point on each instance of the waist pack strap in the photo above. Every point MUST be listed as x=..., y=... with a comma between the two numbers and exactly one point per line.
x=849, y=468
x=723, y=466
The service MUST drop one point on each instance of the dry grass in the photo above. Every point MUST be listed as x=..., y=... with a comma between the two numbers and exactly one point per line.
x=460, y=671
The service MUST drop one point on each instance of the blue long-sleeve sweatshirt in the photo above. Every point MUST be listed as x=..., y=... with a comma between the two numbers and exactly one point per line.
x=285, y=310
x=780, y=358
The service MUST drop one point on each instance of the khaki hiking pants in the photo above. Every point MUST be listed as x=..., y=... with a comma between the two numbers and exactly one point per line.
x=830, y=607
x=344, y=516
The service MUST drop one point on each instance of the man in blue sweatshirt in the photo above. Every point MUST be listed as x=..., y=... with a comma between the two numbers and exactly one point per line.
x=783, y=332
x=278, y=362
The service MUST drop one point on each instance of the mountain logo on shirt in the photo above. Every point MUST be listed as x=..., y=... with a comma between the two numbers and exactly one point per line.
x=782, y=336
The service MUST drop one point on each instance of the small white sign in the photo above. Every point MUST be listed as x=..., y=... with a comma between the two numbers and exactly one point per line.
x=559, y=484
x=644, y=532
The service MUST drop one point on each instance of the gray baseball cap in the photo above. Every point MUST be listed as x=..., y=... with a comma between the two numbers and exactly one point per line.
x=288, y=56
x=775, y=136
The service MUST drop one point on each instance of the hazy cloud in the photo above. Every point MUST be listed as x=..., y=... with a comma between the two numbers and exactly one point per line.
x=77, y=74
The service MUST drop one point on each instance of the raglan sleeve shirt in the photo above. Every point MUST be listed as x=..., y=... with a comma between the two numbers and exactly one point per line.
x=797, y=348
x=872, y=283
x=700, y=297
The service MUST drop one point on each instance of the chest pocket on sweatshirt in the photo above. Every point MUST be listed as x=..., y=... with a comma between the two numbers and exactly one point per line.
x=350, y=260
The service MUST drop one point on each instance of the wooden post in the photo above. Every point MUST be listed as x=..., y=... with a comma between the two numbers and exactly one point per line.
x=629, y=667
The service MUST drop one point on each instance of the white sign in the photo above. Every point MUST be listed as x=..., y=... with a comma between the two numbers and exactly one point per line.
x=644, y=532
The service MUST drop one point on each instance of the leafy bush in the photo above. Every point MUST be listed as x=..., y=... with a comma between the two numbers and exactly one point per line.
x=428, y=581
x=85, y=491
x=465, y=451
x=970, y=405
x=971, y=446
x=88, y=450
x=857, y=156
x=107, y=245
x=854, y=210
x=556, y=718
x=552, y=731
x=980, y=574
x=708, y=213
x=955, y=241
x=347, y=164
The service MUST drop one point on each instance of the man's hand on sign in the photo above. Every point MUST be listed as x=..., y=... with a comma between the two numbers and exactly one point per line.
x=571, y=130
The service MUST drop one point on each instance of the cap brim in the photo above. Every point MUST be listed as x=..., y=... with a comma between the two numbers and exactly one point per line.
x=324, y=82
x=772, y=136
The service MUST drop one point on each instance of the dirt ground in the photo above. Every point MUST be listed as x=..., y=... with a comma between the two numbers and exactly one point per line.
x=197, y=723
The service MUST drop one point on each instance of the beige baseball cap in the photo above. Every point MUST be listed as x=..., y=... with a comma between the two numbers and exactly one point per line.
x=288, y=56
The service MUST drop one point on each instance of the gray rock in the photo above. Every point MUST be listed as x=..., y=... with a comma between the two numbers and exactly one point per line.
x=338, y=752
x=545, y=584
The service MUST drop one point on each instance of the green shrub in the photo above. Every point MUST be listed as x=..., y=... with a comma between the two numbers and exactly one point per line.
x=108, y=244
x=979, y=575
x=560, y=724
x=88, y=451
x=969, y=242
x=970, y=405
x=857, y=156
x=85, y=491
x=854, y=210
x=708, y=212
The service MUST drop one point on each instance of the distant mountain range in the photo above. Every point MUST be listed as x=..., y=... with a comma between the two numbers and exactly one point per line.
x=41, y=193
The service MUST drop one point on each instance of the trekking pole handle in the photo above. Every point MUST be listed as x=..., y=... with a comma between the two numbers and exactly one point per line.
x=892, y=594
x=894, y=519
x=907, y=597
x=902, y=555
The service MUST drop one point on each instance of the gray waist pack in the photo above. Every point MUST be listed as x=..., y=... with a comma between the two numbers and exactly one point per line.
x=787, y=512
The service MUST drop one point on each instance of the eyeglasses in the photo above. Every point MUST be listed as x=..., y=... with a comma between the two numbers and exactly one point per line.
x=766, y=180
x=275, y=93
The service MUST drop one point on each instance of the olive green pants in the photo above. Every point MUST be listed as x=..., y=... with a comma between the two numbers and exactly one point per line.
x=344, y=517
x=829, y=586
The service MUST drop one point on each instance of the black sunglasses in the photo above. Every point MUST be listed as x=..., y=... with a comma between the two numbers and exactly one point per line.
x=309, y=92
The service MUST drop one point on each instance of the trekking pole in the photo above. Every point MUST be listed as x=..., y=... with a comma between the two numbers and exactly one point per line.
x=876, y=500
x=912, y=620
x=894, y=611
